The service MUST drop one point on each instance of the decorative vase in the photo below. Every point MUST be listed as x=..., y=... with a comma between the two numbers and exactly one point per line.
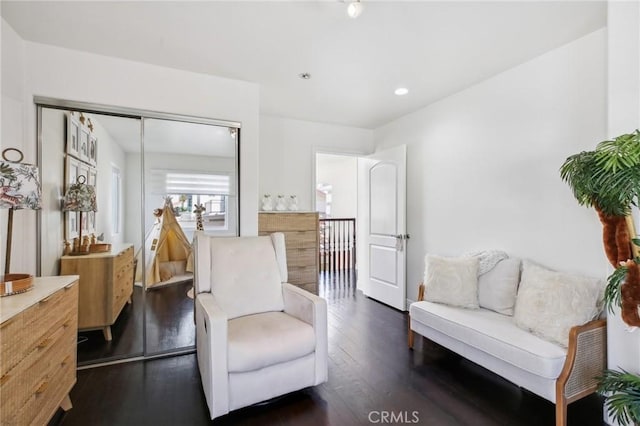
x=281, y=205
x=293, y=203
x=267, y=203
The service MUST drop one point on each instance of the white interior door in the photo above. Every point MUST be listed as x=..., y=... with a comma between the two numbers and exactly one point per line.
x=382, y=225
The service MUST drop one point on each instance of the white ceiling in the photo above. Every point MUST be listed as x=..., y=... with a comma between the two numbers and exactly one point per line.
x=433, y=48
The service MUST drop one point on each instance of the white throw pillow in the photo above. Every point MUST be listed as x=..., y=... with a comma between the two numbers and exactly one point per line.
x=497, y=288
x=451, y=280
x=549, y=303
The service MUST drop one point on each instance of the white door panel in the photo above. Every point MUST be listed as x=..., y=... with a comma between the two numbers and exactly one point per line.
x=381, y=213
x=384, y=264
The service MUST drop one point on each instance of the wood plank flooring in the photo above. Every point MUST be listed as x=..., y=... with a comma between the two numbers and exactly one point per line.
x=371, y=371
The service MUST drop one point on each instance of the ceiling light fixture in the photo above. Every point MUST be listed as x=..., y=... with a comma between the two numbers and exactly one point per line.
x=354, y=9
x=401, y=91
x=304, y=76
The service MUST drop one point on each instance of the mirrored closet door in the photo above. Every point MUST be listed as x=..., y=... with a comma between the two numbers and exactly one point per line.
x=190, y=175
x=156, y=179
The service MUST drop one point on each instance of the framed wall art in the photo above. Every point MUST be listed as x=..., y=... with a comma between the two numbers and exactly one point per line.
x=73, y=135
x=84, y=135
x=93, y=150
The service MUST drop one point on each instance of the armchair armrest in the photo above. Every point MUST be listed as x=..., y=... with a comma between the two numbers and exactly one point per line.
x=211, y=350
x=311, y=309
x=586, y=360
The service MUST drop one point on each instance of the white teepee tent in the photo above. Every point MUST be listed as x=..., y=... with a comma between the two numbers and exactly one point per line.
x=168, y=251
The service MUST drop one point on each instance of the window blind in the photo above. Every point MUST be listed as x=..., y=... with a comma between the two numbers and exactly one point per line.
x=177, y=182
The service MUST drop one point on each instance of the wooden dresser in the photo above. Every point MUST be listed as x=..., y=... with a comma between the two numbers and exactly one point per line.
x=106, y=284
x=38, y=351
x=301, y=237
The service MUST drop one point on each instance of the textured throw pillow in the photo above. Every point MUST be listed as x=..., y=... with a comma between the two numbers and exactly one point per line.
x=497, y=288
x=549, y=303
x=451, y=280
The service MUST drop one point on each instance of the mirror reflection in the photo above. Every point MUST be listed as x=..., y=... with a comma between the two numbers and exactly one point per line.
x=132, y=249
x=97, y=243
x=190, y=175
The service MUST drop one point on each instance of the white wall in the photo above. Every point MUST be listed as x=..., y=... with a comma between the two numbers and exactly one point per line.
x=287, y=151
x=110, y=154
x=13, y=124
x=483, y=164
x=623, y=117
x=341, y=172
x=73, y=75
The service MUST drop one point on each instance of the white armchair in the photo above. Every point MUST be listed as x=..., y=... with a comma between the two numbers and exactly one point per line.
x=257, y=337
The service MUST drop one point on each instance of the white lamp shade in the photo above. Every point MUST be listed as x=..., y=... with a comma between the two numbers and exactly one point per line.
x=19, y=186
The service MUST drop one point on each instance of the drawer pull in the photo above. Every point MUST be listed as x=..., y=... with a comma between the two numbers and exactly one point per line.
x=46, y=299
x=44, y=343
x=43, y=387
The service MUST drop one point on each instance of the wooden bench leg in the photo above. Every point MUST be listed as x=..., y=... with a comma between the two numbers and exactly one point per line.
x=561, y=412
x=410, y=335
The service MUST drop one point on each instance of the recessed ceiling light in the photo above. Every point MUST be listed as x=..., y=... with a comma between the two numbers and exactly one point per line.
x=305, y=76
x=401, y=91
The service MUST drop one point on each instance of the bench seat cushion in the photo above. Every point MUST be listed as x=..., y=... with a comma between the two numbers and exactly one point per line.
x=495, y=334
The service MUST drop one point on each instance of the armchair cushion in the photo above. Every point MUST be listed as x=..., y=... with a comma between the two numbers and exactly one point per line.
x=260, y=340
x=245, y=276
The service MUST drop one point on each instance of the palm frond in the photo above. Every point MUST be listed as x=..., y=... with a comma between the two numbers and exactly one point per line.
x=612, y=293
x=622, y=390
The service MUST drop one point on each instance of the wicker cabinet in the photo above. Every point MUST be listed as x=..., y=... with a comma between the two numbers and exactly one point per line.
x=301, y=237
x=106, y=284
x=38, y=351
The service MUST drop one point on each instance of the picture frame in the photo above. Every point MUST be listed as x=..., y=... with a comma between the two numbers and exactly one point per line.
x=73, y=135
x=71, y=225
x=92, y=179
x=72, y=170
x=93, y=150
x=83, y=143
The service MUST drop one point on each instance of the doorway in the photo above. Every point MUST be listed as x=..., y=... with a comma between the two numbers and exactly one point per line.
x=336, y=201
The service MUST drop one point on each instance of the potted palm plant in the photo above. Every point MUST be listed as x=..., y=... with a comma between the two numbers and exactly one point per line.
x=608, y=179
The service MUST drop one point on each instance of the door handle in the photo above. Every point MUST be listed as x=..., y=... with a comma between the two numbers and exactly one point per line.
x=400, y=239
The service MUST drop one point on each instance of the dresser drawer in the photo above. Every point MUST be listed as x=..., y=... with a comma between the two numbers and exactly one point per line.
x=26, y=330
x=123, y=260
x=302, y=275
x=300, y=258
x=281, y=222
x=32, y=384
x=301, y=239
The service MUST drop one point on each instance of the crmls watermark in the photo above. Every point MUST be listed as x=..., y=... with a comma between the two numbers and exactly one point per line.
x=394, y=417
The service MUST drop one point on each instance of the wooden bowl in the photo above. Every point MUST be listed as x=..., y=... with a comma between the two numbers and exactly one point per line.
x=99, y=248
x=15, y=283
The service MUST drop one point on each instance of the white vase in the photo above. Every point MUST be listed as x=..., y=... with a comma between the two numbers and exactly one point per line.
x=267, y=203
x=293, y=203
x=281, y=204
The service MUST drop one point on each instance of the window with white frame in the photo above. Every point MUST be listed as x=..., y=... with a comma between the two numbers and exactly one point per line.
x=188, y=189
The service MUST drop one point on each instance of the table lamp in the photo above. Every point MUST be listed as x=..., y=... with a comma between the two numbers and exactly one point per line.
x=80, y=198
x=19, y=189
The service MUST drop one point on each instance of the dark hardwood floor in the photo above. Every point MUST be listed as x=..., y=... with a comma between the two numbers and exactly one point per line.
x=169, y=321
x=371, y=372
